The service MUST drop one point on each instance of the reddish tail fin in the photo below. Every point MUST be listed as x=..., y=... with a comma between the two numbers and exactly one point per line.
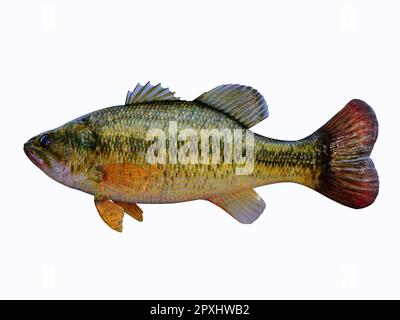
x=348, y=175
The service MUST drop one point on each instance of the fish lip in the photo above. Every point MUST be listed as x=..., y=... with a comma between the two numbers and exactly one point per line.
x=30, y=153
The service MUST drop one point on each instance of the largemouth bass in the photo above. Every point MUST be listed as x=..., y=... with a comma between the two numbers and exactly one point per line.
x=157, y=148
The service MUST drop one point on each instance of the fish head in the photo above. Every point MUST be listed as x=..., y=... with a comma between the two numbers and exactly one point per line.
x=63, y=153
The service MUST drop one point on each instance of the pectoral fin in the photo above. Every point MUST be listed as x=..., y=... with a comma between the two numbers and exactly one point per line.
x=132, y=209
x=111, y=213
x=127, y=176
x=245, y=206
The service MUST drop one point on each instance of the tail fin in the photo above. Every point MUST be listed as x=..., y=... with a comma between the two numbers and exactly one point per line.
x=348, y=175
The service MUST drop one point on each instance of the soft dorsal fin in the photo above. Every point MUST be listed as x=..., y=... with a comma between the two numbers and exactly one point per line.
x=149, y=93
x=245, y=206
x=243, y=103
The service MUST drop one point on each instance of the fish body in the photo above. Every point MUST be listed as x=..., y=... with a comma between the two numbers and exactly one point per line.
x=159, y=149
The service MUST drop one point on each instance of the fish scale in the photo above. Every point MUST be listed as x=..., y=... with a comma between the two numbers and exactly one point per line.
x=217, y=178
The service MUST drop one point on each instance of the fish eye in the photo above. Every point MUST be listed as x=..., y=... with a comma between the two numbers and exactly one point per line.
x=45, y=141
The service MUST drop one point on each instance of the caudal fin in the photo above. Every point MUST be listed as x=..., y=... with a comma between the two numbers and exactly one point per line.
x=348, y=175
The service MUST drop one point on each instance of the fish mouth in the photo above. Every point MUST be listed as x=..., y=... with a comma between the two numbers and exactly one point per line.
x=30, y=153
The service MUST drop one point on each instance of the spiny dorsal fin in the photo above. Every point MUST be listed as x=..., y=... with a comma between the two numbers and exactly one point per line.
x=245, y=206
x=243, y=103
x=149, y=93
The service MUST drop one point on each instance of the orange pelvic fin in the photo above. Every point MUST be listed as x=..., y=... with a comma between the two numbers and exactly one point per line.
x=131, y=209
x=111, y=213
x=245, y=206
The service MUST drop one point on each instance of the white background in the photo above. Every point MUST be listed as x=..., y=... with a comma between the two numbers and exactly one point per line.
x=62, y=59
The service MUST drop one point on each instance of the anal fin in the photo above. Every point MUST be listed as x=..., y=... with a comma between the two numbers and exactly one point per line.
x=245, y=206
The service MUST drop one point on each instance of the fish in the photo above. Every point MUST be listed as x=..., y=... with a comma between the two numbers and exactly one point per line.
x=157, y=148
